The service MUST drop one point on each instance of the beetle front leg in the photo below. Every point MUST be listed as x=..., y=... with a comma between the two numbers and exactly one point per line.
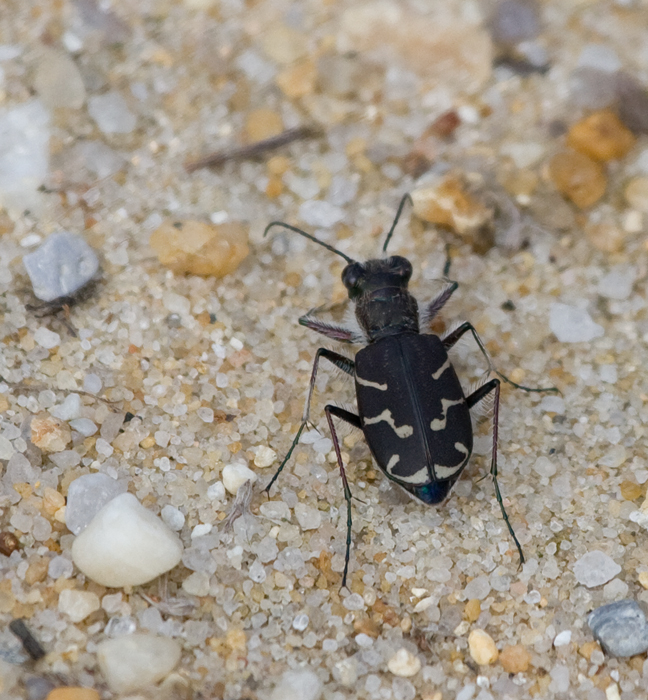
x=474, y=398
x=353, y=420
x=451, y=338
x=340, y=361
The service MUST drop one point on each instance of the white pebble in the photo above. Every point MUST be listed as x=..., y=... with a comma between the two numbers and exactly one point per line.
x=573, y=325
x=133, y=662
x=77, y=605
x=111, y=113
x=216, y=491
x=83, y=426
x=6, y=448
x=553, y=404
x=61, y=266
x=235, y=475
x=126, y=545
x=264, y=457
x=196, y=583
x=69, y=409
x=617, y=284
x=46, y=338
x=298, y=685
x=404, y=664
x=173, y=517
x=309, y=518
x=201, y=530
x=87, y=495
x=92, y=383
x=316, y=212
x=595, y=568
x=205, y=414
x=563, y=638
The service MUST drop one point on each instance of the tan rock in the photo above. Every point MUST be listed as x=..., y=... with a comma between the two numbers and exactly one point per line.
x=636, y=194
x=71, y=693
x=262, y=124
x=298, y=80
x=515, y=659
x=577, y=177
x=50, y=434
x=601, y=136
x=199, y=248
x=482, y=648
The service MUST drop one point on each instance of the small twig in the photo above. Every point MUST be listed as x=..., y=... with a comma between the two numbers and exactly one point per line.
x=254, y=149
x=30, y=644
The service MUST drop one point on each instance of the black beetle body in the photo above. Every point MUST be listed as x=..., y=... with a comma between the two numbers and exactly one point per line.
x=411, y=407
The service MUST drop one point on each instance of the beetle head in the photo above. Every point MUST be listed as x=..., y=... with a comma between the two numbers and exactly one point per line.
x=372, y=275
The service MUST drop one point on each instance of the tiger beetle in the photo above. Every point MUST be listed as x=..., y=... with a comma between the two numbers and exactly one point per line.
x=411, y=407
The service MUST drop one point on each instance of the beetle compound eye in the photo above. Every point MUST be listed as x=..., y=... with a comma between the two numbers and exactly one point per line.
x=351, y=275
x=401, y=266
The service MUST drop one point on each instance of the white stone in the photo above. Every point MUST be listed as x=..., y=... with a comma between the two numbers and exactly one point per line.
x=46, y=338
x=61, y=266
x=83, y=426
x=601, y=57
x=196, y=583
x=309, y=518
x=617, y=284
x=173, y=517
x=92, y=383
x=264, y=457
x=573, y=325
x=24, y=156
x=553, y=404
x=135, y=661
x=298, y=685
x=6, y=448
x=235, y=475
x=403, y=663
x=563, y=638
x=595, y=568
x=87, y=495
x=111, y=113
x=69, y=409
x=58, y=81
x=77, y=605
x=126, y=545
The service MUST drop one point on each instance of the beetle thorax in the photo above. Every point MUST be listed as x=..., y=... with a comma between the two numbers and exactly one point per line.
x=388, y=311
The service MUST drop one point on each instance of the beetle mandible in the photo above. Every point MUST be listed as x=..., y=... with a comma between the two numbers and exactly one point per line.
x=411, y=407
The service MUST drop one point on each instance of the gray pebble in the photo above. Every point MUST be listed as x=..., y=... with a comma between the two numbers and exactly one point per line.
x=514, y=21
x=632, y=103
x=61, y=266
x=620, y=627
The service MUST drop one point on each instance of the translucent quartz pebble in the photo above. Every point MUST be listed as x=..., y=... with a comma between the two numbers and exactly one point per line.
x=303, y=684
x=61, y=266
x=87, y=495
x=621, y=628
x=126, y=545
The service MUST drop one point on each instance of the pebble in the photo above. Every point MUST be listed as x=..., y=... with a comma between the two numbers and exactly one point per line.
x=636, y=194
x=515, y=659
x=235, y=475
x=298, y=80
x=49, y=434
x=83, y=426
x=601, y=57
x=617, y=284
x=58, y=81
x=591, y=88
x=572, y=325
x=578, y=177
x=448, y=203
x=69, y=409
x=595, y=568
x=404, y=664
x=632, y=103
x=46, y=338
x=77, y=605
x=198, y=248
x=133, y=662
x=196, y=584
x=111, y=113
x=478, y=588
x=562, y=638
x=71, y=693
x=86, y=496
x=621, y=628
x=265, y=457
x=482, y=648
x=601, y=136
x=303, y=684
x=24, y=156
x=263, y=124
x=607, y=238
x=61, y=266
x=173, y=517
x=309, y=518
x=514, y=21
x=125, y=545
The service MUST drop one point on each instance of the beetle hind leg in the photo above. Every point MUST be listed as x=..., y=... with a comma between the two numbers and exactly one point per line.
x=494, y=386
x=354, y=420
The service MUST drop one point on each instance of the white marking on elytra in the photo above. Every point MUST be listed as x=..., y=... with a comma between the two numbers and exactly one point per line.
x=444, y=472
x=403, y=431
x=422, y=476
x=440, y=423
x=460, y=447
x=393, y=461
x=372, y=385
x=446, y=365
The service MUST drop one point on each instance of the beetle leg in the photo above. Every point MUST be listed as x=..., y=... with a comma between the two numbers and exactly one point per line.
x=451, y=338
x=339, y=333
x=475, y=397
x=439, y=302
x=353, y=420
x=346, y=365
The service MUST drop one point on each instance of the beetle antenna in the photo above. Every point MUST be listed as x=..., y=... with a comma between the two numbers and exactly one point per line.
x=406, y=198
x=308, y=235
